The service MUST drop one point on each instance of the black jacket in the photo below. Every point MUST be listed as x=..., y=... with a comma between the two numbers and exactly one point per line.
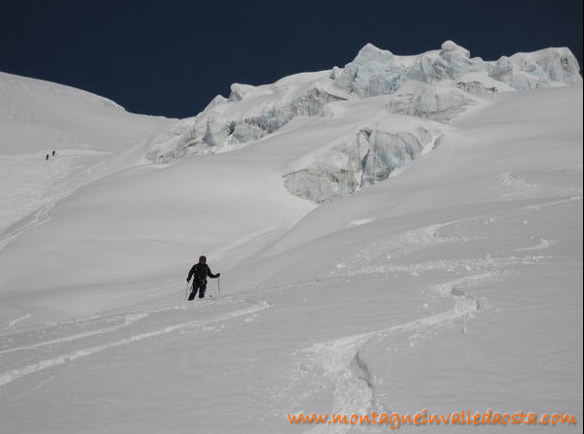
x=201, y=272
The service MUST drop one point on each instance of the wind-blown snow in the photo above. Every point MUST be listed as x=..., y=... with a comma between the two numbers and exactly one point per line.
x=441, y=270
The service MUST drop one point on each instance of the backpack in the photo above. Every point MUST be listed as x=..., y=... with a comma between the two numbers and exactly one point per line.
x=201, y=271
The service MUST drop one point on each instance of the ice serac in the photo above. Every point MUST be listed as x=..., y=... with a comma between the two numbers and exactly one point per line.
x=450, y=63
x=379, y=72
x=360, y=158
x=436, y=86
x=431, y=102
x=539, y=69
x=373, y=72
x=249, y=114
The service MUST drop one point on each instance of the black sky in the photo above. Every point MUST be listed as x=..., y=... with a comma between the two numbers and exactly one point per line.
x=172, y=57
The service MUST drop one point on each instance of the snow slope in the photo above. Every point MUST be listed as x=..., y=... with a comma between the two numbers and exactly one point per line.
x=39, y=116
x=453, y=283
x=93, y=137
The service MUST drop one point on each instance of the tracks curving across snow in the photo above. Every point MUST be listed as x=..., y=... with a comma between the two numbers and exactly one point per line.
x=82, y=351
x=340, y=362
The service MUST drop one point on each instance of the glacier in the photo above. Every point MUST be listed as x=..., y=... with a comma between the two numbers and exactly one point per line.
x=435, y=87
x=360, y=158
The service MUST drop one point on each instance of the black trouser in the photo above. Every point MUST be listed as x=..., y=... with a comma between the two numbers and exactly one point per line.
x=198, y=285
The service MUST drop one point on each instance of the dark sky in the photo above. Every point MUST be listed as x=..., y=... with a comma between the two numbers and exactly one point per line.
x=172, y=57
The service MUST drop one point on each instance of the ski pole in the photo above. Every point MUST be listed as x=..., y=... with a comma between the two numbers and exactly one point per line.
x=186, y=291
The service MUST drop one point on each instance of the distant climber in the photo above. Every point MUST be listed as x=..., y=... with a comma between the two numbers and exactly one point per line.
x=47, y=157
x=199, y=272
x=54, y=154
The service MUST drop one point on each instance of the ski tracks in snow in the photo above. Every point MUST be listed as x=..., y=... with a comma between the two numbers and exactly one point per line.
x=13, y=323
x=375, y=258
x=116, y=335
x=126, y=320
x=339, y=362
x=32, y=186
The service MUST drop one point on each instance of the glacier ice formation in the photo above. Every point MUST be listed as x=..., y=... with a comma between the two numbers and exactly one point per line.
x=435, y=86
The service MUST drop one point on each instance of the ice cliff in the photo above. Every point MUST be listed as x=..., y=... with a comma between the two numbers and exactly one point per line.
x=433, y=87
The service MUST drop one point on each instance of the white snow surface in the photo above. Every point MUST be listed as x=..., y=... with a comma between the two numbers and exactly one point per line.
x=39, y=116
x=451, y=282
x=92, y=136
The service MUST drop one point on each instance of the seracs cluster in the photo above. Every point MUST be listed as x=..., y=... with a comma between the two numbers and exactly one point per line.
x=433, y=87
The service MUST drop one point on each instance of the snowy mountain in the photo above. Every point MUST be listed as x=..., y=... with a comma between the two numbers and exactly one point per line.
x=400, y=234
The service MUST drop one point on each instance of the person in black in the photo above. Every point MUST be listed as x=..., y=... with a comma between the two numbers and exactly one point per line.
x=199, y=272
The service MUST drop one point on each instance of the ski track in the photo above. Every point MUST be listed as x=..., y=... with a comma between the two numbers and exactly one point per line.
x=128, y=320
x=15, y=374
x=13, y=323
x=405, y=243
x=420, y=238
x=453, y=266
x=13, y=231
x=542, y=245
x=353, y=380
x=35, y=210
x=93, y=318
x=339, y=361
